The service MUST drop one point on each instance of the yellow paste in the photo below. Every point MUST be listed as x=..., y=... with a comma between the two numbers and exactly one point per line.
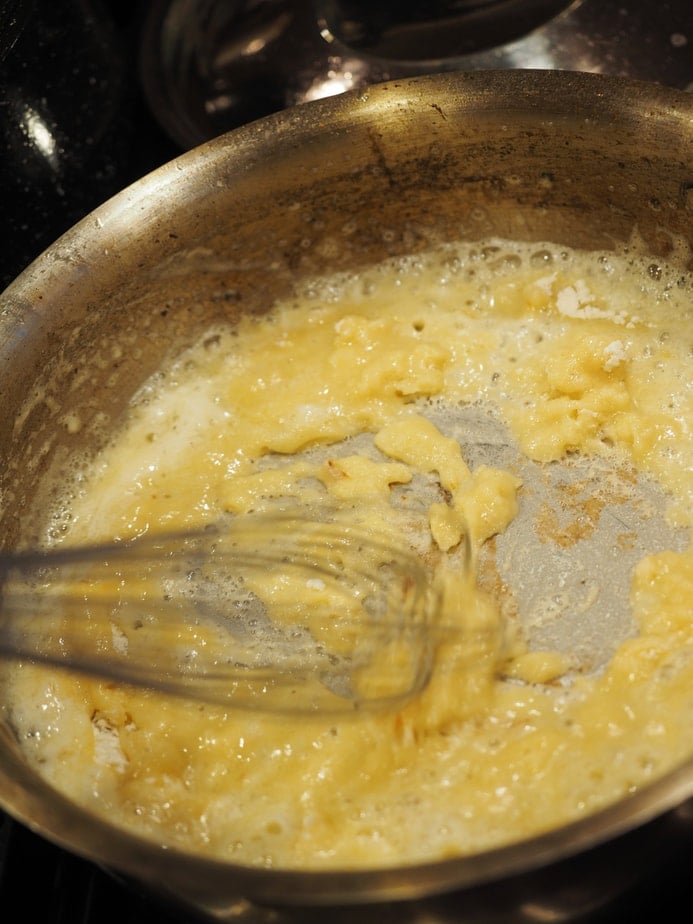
x=576, y=354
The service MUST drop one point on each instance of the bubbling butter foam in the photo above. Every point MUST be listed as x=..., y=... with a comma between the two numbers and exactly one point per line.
x=438, y=396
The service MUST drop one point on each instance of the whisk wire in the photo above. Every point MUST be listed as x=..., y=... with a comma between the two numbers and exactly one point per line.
x=278, y=614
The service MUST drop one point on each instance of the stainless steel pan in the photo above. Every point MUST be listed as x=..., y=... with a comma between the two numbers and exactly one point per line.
x=227, y=228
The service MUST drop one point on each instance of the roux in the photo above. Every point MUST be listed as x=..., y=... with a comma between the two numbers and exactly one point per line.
x=350, y=391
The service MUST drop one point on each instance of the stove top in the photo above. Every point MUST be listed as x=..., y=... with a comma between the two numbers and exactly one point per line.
x=81, y=124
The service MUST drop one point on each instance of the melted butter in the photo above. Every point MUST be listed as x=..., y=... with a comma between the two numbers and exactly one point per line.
x=578, y=356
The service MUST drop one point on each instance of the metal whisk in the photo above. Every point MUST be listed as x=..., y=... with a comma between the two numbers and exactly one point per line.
x=276, y=613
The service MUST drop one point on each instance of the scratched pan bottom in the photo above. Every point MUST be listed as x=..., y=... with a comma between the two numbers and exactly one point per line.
x=563, y=567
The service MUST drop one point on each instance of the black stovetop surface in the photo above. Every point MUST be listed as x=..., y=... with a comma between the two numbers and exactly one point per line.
x=71, y=65
x=114, y=141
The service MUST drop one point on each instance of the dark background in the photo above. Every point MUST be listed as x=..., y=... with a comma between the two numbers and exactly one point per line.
x=74, y=64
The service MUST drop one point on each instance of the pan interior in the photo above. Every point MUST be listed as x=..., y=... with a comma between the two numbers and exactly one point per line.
x=470, y=392
x=230, y=229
